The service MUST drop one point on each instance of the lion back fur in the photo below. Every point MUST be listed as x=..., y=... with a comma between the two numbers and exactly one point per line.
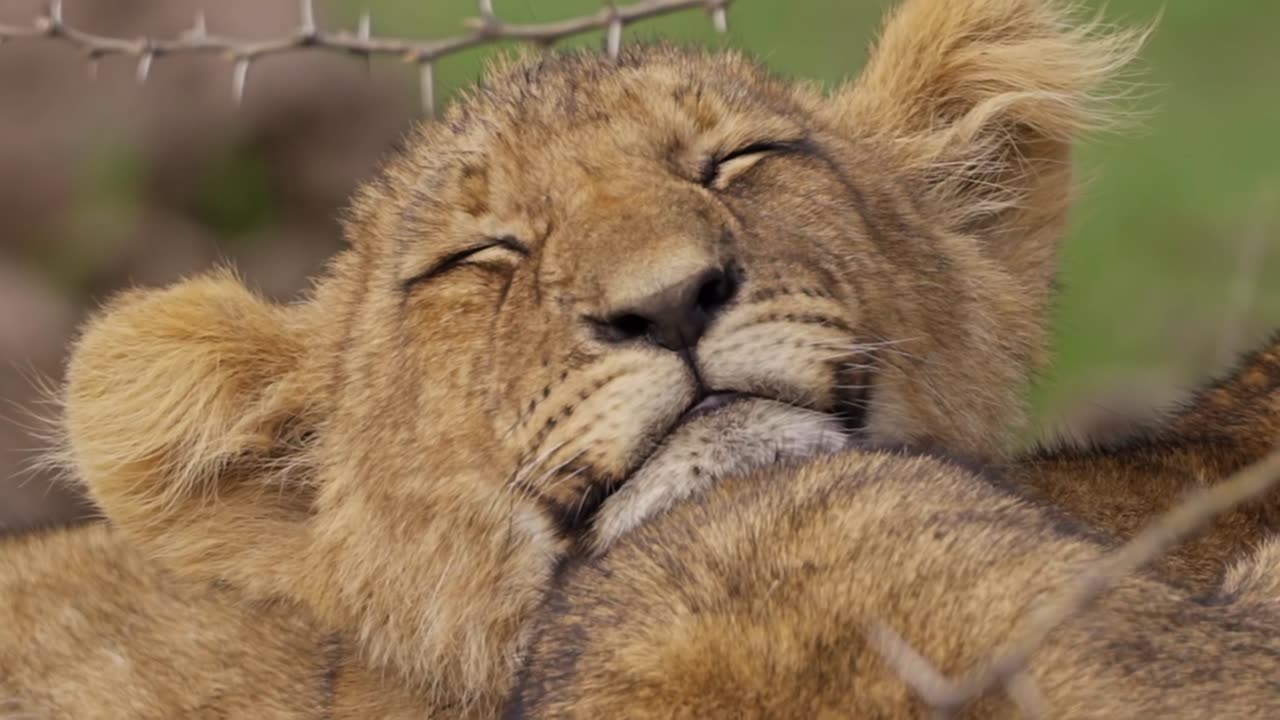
x=758, y=601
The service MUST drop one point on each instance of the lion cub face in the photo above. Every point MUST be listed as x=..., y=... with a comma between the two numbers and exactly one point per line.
x=596, y=282
x=585, y=257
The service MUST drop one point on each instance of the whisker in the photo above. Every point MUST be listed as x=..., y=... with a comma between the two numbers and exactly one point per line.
x=516, y=487
x=885, y=343
x=848, y=364
x=582, y=497
x=549, y=480
x=522, y=472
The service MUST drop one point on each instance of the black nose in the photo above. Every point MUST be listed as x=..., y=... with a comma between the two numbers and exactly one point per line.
x=676, y=316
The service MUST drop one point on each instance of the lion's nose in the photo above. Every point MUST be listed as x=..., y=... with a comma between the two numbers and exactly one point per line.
x=676, y=316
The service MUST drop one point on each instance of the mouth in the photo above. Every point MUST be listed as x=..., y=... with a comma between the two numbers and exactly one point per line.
x=849, y=411
x=722, y=435
x=711, y=403
x=851, y=406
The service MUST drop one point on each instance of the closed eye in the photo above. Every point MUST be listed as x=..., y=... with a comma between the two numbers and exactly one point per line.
x=466, y=256
x=720, y=170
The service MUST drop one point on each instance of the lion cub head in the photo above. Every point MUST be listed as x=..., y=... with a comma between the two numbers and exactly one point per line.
x=591, y=287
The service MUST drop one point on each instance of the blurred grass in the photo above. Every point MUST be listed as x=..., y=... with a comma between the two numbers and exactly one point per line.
x=1158, y=236
x=1156, y=241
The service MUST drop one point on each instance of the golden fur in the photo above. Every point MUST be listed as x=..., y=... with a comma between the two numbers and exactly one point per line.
x=758, y=601
x=536, y=296
x=1119, y=485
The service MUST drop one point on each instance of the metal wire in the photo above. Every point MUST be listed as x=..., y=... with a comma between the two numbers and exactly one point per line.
x=486, y=28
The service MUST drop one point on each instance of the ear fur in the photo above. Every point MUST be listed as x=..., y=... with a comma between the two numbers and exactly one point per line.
x=184, y=418
x=979, y=102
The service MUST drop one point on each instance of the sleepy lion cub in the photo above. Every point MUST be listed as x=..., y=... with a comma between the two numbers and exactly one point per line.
x=589, y=292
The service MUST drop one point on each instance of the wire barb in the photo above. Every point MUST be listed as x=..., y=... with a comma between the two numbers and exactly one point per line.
x=720, y=19
x=427, y=87
x=144, y=67
x=613, y=38
x=485, y=29
x=307, y=24
x=199, y=29
x=54, y=14
x=239, y=76
x=364, y=30
x=309, y=17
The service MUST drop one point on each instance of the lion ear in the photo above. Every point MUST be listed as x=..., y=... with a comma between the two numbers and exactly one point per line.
x=185, y=419
x=979, y=102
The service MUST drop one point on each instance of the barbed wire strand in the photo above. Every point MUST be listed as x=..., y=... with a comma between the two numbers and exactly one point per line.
x=482, y=30
x=1008, y=667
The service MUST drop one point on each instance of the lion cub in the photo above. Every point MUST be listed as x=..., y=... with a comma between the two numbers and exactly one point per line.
x=592, y=290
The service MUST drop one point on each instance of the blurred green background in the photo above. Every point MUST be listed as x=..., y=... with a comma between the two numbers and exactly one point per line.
x=1171, y=267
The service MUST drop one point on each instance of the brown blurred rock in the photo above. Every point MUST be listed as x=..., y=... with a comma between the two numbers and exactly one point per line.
x=34, y=323
x=103, y=183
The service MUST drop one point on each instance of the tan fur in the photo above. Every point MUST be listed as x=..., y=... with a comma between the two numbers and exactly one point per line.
x=406, y=457
x=1121, y=485
x=86, y=617
x=756, y=602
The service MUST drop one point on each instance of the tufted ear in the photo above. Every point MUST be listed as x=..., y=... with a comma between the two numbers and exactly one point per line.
x=978, y=102
x=185, y=417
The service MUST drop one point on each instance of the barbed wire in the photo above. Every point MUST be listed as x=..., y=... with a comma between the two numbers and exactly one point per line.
x=484, y=29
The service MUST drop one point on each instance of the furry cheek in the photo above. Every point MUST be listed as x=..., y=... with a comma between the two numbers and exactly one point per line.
x=592, y=430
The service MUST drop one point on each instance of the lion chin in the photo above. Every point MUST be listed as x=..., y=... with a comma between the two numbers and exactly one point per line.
x=722, y=436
